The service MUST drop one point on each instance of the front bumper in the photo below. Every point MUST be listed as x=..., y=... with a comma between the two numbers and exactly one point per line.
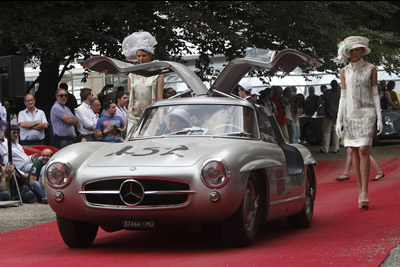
x=167, y=200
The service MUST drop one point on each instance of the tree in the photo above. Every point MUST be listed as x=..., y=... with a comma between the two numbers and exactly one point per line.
x=313, y=27
x=54, y=32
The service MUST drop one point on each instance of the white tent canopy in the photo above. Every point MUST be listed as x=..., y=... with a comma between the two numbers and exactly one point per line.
x=315, y=79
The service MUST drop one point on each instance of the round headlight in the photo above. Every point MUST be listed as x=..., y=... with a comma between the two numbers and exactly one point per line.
x=214, y=174
x=58, y=175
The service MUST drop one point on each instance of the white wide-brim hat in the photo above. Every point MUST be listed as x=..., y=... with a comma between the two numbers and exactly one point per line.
x=138, y=41
x=358, y=41
x=350, y=43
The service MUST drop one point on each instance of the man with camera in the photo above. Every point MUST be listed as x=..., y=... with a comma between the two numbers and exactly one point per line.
x=110, y=126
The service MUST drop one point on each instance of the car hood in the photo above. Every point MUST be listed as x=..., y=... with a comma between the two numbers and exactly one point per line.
x=160, y=152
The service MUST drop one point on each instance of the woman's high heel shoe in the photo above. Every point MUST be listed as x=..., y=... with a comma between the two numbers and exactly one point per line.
x=363, y=204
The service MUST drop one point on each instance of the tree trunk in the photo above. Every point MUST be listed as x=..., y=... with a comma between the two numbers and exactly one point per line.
x=48, y=83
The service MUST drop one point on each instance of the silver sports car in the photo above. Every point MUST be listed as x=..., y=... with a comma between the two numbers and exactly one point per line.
x=190, y=161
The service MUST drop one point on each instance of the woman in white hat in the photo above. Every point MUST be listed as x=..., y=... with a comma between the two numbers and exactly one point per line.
x=359, y=109
x=142, y=90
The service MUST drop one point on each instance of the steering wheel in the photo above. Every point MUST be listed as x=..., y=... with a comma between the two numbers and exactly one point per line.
x=222, y=126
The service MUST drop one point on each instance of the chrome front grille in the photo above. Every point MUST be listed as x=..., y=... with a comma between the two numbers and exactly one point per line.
x=156, y=192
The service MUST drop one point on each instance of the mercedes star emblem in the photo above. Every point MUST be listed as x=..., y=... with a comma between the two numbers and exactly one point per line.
x=131, y=192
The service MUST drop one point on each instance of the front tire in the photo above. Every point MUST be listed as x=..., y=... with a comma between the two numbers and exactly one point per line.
x=76, y=234
x=240, y=229
x=304, y=218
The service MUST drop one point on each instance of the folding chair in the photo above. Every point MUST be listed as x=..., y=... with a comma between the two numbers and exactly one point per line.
x=19, y=176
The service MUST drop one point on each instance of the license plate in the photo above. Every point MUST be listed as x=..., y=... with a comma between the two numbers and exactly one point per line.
x=138, y=224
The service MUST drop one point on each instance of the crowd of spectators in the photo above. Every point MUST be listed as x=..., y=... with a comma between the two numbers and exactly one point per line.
x=288, y=106
x=101, y=118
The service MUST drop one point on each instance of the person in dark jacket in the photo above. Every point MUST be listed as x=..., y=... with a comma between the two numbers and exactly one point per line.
x=312, y=102
x=331, y=100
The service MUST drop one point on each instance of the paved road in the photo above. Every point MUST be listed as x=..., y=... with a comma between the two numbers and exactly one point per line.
x=28, y=215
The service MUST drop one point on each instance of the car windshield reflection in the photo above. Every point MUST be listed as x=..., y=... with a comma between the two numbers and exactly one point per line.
x=197, y=120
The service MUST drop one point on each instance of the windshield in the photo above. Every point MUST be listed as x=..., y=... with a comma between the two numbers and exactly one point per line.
x=196, y=120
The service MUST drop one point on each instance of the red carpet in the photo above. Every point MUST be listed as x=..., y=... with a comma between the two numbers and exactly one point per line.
x=341, y=235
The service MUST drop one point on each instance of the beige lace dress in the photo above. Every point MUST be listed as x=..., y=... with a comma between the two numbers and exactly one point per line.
x=359, y=115
x=143, y=93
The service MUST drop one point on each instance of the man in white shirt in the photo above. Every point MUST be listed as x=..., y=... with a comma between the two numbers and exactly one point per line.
x=122, y=103
x=32, y=123
x=86, y=118
x=244, y=90
x=21, y=160
x=96, y=107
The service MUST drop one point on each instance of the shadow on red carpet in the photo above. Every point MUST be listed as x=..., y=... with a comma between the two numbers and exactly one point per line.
x=341, y=235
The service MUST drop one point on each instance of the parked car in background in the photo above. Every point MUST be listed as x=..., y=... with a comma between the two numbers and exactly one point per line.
x=311, y=127
x=391, y=126
x=210, y=158
x=33, y=149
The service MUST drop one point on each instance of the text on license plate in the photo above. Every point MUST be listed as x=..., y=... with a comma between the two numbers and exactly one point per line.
x=138, y=224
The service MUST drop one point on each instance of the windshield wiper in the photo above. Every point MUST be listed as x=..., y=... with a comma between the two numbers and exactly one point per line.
x=240, y=134
x=188, y=131
x=184, y=131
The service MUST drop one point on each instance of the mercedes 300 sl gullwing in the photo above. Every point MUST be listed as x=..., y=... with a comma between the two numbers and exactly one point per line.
x=209, y=158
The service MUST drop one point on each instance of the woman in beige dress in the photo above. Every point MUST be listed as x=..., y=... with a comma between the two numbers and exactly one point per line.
x=359, y=109
x=143, y=91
